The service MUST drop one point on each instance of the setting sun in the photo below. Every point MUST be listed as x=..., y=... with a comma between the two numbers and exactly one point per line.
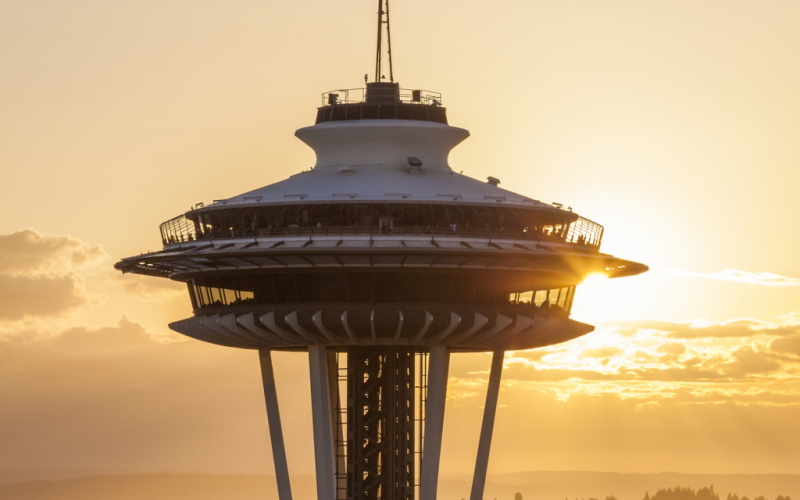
x=594, y=278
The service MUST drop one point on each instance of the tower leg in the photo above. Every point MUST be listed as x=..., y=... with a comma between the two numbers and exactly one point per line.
x=485, y=443
x=338, y=427
x=275, y=429
x=322, y=419
x=434, y=422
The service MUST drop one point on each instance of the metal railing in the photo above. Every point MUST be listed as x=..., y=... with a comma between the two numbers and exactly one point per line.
x=583, y=232
x=178, y=230
x=356, y=96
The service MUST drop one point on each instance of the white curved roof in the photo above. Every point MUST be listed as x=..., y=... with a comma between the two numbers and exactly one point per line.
x=382, y=183
x=368, y=160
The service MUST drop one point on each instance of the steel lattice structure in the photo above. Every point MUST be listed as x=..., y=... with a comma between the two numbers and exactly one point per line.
x=380, y=425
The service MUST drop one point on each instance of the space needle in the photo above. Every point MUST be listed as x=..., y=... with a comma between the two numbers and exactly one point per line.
x=380, y=261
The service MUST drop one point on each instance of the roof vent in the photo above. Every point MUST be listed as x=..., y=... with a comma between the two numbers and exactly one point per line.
x=494, y=181
x=416, y=164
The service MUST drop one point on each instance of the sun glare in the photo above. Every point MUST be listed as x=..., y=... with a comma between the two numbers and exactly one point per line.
x=594, y=278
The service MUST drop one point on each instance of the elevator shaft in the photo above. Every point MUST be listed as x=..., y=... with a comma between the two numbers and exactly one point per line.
x=380, y=424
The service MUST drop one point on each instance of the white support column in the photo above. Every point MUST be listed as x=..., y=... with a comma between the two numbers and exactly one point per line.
x=434, y=421
x=275, y=429
x=338, y=427
x=489, y=411
x=322, y=419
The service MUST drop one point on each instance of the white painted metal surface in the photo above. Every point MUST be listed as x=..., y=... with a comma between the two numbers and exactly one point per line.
x=434, y=421
x=368, y=160
x=322, y=419
x=382, y=142
x=275, y=428
x=487, y=426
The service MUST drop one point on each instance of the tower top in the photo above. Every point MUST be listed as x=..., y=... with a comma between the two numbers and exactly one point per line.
x=382, y=98
x=383, y=19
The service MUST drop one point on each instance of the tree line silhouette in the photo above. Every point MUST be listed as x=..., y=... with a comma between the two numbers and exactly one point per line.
x=679, y=493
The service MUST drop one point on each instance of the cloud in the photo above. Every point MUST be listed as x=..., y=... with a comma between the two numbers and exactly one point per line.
x=601, y=352
x=748, y=361
x=148, y=287
x=684, y=374
x=789, y=345
x=735, y=328
x=119, y=396
x=763, y=278
x=28, y=252
x=672, y=348
x=742, y=361
x=25, y=296
x=42, y=276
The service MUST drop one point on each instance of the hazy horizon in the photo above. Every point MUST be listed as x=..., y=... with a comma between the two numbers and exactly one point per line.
x=541, y=485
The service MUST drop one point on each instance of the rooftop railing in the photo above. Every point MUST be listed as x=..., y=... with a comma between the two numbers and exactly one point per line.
x=406, y=96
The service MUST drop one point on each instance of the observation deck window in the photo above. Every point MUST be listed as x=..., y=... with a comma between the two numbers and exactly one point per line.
x=360, y=287
x=460, y=219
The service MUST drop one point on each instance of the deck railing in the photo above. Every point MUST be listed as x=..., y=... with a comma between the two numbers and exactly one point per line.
x=582, y=232
x=585, y=232
x=355, y=96
x=178, y=230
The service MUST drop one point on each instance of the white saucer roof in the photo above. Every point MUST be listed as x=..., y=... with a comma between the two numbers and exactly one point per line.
x=368, y=160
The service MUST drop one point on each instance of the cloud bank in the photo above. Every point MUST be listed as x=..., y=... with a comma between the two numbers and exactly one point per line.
x=148, y=287
x=763, y=278
x=43, y=276
x=28, y=253
x=743, y=361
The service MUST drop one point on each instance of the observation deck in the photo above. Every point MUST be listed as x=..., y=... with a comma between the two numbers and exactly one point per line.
x=381, y=242
x=381, y=101
x=352, y=218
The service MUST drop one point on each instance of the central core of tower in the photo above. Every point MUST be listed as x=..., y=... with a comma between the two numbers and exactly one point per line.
x=385, y=414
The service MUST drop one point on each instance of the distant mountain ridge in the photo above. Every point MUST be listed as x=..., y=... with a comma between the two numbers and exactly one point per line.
x=535, y=485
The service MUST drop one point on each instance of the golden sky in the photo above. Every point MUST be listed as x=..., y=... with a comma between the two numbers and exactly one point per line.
x=674, y=124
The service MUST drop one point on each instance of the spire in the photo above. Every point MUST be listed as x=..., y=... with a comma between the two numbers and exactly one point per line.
x=383, y=18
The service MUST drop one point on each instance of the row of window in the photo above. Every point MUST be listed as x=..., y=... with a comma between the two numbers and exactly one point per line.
x=364, y=111
x=361, y=287
x=390, y=216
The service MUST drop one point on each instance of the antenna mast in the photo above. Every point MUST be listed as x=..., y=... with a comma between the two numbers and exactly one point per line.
x=383, y=18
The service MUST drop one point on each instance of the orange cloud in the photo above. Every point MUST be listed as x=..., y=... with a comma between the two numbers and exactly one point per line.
x=744, y=361
x=763, y=278
x=41, y=276
x=26, y=296
x=149, y=288
x=119, y=396
x=28, y=252
x=601, y=352
x=736, y=328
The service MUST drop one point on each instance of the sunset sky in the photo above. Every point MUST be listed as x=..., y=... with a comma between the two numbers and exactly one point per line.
x=675, y=124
